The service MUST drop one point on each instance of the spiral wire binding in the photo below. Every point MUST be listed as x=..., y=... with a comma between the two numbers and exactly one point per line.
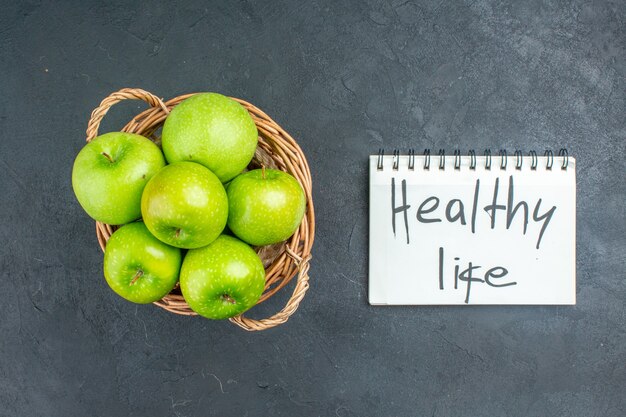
x=563, y=153
x=502, y=153
x=550, y=155
x=503, y=158
x=533, y=160
x=518, y=159
x=472, y=156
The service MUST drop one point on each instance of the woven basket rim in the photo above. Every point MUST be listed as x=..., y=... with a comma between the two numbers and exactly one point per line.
x=293, y=255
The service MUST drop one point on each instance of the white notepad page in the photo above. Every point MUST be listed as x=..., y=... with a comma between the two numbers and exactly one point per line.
x=499, y=264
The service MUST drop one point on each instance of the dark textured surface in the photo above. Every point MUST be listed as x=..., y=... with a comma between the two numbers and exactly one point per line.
x=344, y=78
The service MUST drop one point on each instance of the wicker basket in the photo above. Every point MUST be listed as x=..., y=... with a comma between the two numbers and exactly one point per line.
x=276, y=149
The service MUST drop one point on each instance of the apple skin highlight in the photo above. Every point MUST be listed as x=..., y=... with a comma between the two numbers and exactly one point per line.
x=266, y=206
x=212, y=130
x=110, y=173
x=223, y=279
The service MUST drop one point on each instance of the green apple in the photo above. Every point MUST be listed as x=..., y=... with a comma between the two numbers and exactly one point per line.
x=265, y=206
x=138, y=266
x=185, y=205
x=110, y=173
x=223, y=279
x=212, y=130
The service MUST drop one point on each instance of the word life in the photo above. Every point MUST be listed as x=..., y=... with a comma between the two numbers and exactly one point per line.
x=473, y=274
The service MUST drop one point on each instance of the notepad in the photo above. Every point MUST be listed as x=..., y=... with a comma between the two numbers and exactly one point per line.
x=472, y=229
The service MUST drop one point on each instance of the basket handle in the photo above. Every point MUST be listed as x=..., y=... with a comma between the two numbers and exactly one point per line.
x=302, y=285
x=124, y=94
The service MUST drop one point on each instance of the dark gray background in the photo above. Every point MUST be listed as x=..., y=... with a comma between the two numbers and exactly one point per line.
x=345, y=78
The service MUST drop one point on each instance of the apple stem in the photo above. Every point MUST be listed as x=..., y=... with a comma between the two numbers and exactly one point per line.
x=228, y=298
x=107, y=156
x=136, y=277
x=177, y=233
x=263, y=171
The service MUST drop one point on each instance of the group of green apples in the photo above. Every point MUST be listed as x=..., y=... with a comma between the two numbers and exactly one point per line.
x=188, y=211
